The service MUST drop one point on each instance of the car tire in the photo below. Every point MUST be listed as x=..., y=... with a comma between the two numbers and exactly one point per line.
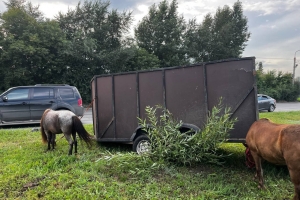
x=141, y=144
x=272, y=108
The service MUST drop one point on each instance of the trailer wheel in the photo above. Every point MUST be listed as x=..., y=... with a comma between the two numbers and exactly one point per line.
x=141, y=144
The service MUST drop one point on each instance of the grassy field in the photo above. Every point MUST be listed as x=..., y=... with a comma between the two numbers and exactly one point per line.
x=112, y=171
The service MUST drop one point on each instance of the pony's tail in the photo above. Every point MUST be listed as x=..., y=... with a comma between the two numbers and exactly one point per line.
x=44, y=136
x=82, y=133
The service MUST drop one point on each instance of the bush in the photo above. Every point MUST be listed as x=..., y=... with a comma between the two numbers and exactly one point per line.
x=169, y=144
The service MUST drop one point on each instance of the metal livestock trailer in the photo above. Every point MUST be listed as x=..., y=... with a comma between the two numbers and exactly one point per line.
x=188, y=92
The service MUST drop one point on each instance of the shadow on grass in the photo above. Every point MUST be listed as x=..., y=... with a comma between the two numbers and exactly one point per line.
x=115, y=146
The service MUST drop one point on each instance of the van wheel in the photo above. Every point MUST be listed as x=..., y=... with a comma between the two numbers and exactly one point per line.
x=272, y=108
x=141, y=144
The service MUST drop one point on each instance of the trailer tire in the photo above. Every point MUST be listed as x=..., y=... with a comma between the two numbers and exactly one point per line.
x=141, y=144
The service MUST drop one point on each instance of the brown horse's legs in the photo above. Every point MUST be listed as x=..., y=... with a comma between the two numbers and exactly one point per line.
x=295, y=177
x=259, y=171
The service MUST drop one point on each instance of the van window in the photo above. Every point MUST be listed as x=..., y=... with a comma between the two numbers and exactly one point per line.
x=66, y=93
x=43, y=93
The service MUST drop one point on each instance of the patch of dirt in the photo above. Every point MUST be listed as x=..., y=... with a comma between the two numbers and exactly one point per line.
x=32, y=184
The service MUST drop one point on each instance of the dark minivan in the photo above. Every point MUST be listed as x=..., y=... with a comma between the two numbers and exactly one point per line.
x=25, y=104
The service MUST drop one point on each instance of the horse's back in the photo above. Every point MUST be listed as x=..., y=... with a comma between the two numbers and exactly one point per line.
x=58, y=121
x=265, y=139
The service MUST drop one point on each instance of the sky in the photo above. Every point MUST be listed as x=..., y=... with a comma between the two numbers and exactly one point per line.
x=274, y=24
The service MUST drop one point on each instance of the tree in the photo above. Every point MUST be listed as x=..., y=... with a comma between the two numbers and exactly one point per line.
x=276, y=84
x=29, y=8
x=161, y=33
x=95, y=37
x=198, y=40
x=260, y=67
x=15, y=4
x=221, y=36
x=142, y=60
x=30, y=48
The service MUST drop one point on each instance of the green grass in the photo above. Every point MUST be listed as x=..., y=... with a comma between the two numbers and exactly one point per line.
x=112, y=171
x=292, y=117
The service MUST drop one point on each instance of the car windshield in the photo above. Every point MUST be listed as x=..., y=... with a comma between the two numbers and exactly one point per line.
x=6, y=91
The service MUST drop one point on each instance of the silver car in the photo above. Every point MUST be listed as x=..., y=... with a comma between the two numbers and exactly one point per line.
x=266, y=102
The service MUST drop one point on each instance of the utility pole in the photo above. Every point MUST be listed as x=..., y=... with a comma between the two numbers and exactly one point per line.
x=294, y=67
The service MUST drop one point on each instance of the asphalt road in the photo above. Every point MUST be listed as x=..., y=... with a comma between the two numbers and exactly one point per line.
x=289, y=106
x=87, y=117
x=280, y=107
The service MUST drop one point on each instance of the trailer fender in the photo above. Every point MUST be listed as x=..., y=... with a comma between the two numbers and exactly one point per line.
x=141, y=141
x=138, y=131
x=185, y=127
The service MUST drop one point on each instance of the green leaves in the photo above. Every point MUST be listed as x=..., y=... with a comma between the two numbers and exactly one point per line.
x=221, y=36
x=168, y=144
x=161, y=33
x=277, y=84
x=30, y=47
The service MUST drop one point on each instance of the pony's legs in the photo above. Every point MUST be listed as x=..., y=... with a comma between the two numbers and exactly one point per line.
x=49, y=138
x=53, y=137
x=259, y=171
x=70, y=141
x=74, y=139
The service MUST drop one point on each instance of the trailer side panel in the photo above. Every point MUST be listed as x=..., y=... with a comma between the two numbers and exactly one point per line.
x=188, y=92
x=185, y=94
x=151, y=91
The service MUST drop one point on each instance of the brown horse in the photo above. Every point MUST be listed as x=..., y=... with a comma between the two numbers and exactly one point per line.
x=278, y=144
x=66, y=122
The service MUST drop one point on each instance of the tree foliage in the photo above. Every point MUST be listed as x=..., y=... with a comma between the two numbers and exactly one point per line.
x=277, y=84
x=29, y=47
x=221, y=36
x=91, y=39
x=165, y=34
x=161, y=33
x=86, y=41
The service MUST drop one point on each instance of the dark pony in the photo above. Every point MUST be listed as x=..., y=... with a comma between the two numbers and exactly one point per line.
x=278, y=144
x=66, y=122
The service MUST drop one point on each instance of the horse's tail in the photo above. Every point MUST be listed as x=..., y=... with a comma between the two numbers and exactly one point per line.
x=82, y=133
x=44, y=136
